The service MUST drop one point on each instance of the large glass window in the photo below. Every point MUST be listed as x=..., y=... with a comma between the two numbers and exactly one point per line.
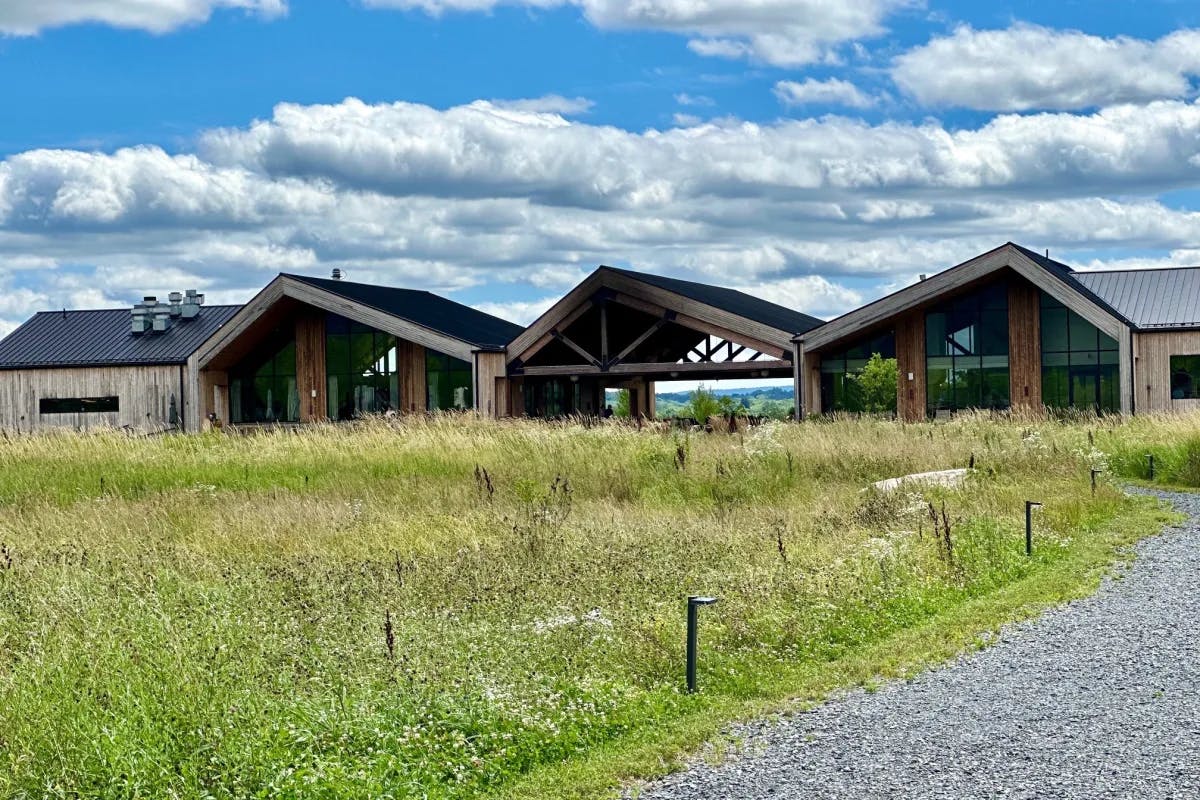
x=966, y=352
x=262, y=388
x=448, y=382
x=1185, y=377
x=839, y=389
x=1080, y=363
x=360, y=369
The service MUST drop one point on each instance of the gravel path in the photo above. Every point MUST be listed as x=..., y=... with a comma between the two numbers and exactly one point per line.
x=1096, y=699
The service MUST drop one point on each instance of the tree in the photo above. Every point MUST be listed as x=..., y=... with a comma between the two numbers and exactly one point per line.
x=702, y=405
x=622, y=409
x=877, y=382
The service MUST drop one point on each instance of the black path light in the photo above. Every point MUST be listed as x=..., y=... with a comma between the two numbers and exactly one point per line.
x=1029, y=505
x=1095, y=472
x=1151, y=457
x=693, y=635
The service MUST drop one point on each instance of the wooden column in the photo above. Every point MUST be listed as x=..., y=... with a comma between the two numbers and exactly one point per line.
x=910, y=357
x=489, y=373
x=310, y=366
x=213, y=397
x=410, y=363
x=1024, y=346
x=651, y=401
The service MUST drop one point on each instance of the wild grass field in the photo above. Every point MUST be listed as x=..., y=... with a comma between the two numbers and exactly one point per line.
x=460, y=608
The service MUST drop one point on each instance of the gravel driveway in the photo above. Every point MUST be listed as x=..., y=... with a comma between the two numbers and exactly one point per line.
x=1100, y=698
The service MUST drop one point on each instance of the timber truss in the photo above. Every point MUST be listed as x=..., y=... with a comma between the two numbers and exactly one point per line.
x=614, y=333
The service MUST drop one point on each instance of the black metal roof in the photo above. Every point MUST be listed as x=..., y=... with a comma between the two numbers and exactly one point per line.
x=104, y=338
x=1069, y=275
x=1150, y=298
x=733, y=301
x=426, y=309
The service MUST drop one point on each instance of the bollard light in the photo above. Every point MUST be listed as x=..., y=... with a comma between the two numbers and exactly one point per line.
x=693, y=635
x=1029, y=504
x=1095, y=472
x=1151, y=457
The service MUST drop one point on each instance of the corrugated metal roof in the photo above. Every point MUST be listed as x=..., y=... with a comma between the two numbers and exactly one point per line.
x=1149, y=298
x=104, y=338
x=733, y=301
x=426, y=309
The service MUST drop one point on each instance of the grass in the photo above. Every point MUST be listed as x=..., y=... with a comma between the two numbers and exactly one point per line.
x=457, y=608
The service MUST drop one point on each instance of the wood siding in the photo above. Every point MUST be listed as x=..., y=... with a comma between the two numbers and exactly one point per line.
x=1153, y=353
x=1025, y=345
x=410, y=364
x=145, y=397
x=310, y=366
x=910, y=359
x=490, y=369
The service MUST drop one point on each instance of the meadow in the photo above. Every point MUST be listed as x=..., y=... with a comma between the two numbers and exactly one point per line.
x=456, y=608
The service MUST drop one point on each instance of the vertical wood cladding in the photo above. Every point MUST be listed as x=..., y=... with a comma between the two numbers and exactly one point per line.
x=1024, y=345
x=812, y=383
x=310, y=366
x=489, y=372
x=910, y=358
x=1152, y=381
x=144, y=397
x=410, y=364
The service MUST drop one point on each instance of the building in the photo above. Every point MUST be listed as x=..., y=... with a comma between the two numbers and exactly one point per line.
x=1007, y=329
x=1015, y=329
x=82, y=369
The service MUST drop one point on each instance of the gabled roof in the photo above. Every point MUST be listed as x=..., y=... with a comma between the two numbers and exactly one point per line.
x=426, y=309
x=731, y=300
x=1149, y=298
x=105, y=338
x=1053, y=277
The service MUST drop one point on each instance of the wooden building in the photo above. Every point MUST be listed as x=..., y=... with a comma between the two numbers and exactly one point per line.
x=83, y=369
x=1007, y=329
x=308, y=349
x=1015, y=329
x=620, y=329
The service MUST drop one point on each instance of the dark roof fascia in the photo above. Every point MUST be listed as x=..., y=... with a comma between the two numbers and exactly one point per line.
x=1055, y=269
x=44, y=365
x=648, y=279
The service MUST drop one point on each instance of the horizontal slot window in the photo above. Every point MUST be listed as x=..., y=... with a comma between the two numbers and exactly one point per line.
x=78, y=405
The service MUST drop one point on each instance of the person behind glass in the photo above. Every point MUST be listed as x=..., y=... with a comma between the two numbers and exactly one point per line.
x=608, y=411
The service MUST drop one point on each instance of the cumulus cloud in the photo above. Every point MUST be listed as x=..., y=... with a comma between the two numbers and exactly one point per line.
x=831, y=92
x=481, y=195
x=1030, y=67
x=549, y=104
x=28, y=17
x=519, y=311
x=780, y=32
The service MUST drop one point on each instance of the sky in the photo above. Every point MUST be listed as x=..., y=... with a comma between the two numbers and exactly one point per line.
x=817, y=153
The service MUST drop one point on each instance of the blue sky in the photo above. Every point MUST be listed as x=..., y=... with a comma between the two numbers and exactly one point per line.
x=815, y=153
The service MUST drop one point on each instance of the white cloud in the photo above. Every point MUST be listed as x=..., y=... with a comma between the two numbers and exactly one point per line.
x=479, y=195
x=780, y=32
x=685, y=99
x=549, y=104
x=518, y=311
x=1031, y=67
x=28, y=17
x=686, y=120
x=832, y=92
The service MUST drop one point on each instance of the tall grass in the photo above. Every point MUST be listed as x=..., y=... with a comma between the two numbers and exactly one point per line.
x=433, y=607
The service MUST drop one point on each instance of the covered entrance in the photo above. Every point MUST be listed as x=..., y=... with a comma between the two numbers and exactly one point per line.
x=628, y=330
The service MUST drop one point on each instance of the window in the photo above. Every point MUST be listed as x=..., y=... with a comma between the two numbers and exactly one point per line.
x=360, y=369
x=839, y=390
x=1080, y=363
x=1185, y=377
x=78, y=405
x=262, y=388
x=966, y=352
x=448, y=382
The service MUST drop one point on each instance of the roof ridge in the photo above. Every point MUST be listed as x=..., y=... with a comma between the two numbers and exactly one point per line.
x=121, y=308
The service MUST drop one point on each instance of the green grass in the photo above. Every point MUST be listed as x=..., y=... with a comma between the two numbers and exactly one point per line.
x=458, y=608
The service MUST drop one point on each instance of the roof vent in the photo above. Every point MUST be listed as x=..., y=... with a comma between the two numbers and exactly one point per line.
x=151, y=316
x=337, y=274
x=922, y=276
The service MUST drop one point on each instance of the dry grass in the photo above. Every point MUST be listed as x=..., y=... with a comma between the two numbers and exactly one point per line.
x=434, y=607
